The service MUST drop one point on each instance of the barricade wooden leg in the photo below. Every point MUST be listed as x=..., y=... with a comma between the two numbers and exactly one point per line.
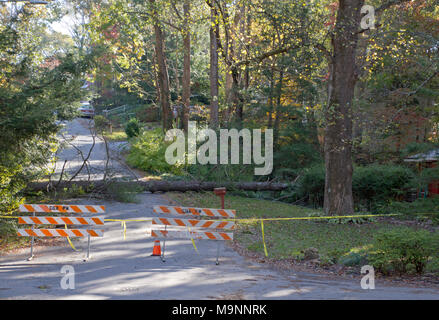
x=164, y=246
x=32, y=243
x=88, y=249
x=217, y=252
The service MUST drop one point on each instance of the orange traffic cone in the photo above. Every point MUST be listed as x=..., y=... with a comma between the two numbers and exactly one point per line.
x=156, y=251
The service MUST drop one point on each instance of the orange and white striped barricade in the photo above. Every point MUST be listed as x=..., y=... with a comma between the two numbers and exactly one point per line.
x=33, y=221
x=195, y=229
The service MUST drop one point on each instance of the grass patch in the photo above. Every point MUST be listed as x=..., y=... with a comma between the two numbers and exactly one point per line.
x=288, y=239
x=116, y=135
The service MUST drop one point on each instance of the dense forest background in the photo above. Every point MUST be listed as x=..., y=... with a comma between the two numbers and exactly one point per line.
x=347, y=104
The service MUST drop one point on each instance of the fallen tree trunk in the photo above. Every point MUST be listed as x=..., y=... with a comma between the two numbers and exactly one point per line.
x=160, y=185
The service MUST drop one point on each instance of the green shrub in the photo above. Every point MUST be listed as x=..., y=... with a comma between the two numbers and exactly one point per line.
x=148, y=153
x=427, y=208
x=298, y=144
x=349, y=220
x=311, y=185
x=8, y=227
x=356, y=256
x=377, y=183
x=132, y=128
x=100, y=123
x=10, y=198
x=401, y=248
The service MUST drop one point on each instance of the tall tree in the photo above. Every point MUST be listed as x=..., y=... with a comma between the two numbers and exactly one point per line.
x=343, y=76
x=214, y=30
x=186, y=64
x=338, y=114
x=163, y=76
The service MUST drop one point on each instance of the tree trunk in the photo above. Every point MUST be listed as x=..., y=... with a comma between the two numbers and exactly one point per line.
x=247, y=46
x=186, y=65
x=338, y=114
x=278, y=105
x=214, y=30
x=271, y=99
x=163, y=76
x=237, y=99
x=164, y=186
x=271, y=92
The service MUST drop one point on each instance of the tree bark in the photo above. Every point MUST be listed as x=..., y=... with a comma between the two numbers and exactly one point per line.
x=164, y=186
x=271, y=99
x=186, y=65
x=214, y=30
x=278, y=111
x=163, y=76
x=338, y=114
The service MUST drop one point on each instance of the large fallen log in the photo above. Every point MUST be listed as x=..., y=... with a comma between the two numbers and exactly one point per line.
x=160, y=185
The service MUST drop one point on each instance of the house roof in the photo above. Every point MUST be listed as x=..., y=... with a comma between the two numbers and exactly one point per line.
x=432, y=155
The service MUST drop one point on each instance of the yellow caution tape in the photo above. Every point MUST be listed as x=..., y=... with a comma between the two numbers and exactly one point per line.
x=124, y=226
x=124, y=221
x=264, y=219
x=193, y=242
x=313, y=218
x=128, y=220
x=70, y=242
x=263, y=238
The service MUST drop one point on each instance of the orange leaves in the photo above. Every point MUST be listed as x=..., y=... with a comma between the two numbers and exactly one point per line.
x=333, y=9
x=112, y=32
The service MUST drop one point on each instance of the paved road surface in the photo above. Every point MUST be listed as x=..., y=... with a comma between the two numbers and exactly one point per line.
x=78, y=141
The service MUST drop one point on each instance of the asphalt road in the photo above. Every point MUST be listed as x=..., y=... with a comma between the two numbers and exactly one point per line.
x=125, y=269
x=80, y=144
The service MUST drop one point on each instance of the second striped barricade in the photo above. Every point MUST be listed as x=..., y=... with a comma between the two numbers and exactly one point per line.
x=194, y=228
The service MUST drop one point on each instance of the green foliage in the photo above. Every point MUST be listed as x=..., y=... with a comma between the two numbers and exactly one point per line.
x=350, y=220
x=426, y=176
x=9, y=188
x=378, y=183
x=417, y=148
x=403, y=250
x=311, y=185
x=8, y=227
x=132, y=128
x=298, y=145
x=9, y=198
x=73, y=191
x=353, y=259
x=35, y=90
x=421, y=209
x=101, y=123
x=148, y=153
